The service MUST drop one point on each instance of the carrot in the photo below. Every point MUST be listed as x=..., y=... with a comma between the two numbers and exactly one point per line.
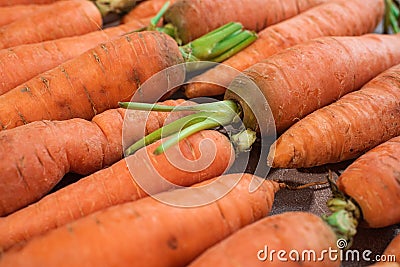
x=130, y=233
x=334, y=18
x=26, y=2
x=354, y=124
x=274, y=94
x=82, y=17
x=10, y=14
x=258, y=244
x=373, y=182
x=194, y=18
x=97, y=79
x=144, y=9
x=24, y=62
x=41, y=153
x=391, y=255
x=127, y=180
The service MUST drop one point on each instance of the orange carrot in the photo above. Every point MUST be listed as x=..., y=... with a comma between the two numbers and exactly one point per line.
x=194, y=18
x=41, y=153
x=335, y=18
x=144, y=9
x=258, y=244
x=10, y=14
x=24, y=62
x=373, y=182
x=345, y=129
x=82, y=16
x=92, y=82
x=391, y=255
x=184, y=165
x=26, y=2
x=130, y=233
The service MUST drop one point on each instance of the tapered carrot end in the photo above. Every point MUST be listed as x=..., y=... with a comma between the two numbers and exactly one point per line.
x=282, y=154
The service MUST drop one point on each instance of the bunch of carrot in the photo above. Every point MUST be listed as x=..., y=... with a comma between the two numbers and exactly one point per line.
x=328, y=98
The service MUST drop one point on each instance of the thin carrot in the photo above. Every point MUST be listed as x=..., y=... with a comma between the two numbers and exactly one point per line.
x=288, y=86
x=41, y=153
x=391, y=255
x=335, y=18
x=194, y=18
x=82, y=17
x=10, y=14
x=24, y=62
x=202, y=156
x=144, y=9
x=302, y=236
x=130, y=233
x=373, y=182
x=97, y=79
x=344, y=130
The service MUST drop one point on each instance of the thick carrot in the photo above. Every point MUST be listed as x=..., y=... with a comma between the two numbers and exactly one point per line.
x=335, y=18
x=391, y=255
x=345, y=129
x=373, y=182
x=26, y=2
x=185, y=165
x=130, y=233
x=194, y=18
x=302, y=236
x=41, y=153
x=10, y=14
x=24, y=62
x=144, y=9
x=82, y=16
x=92, y=82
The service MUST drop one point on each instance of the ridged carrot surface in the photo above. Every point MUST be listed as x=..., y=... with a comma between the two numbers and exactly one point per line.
x=10, y=14
x=120, y=183
x=125, y=235
x=82, y=16
x=335, y=18
x=346, y=129
x=194, y=18
x=53, y=148
x=25, y=2
x=373, y=182
x=21, y=63
x=92, y=82
x=291, y=232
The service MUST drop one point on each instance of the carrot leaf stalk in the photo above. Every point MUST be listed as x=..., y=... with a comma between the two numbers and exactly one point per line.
x=345, y=214
x=114, y=6
x=207, y=116
x=391, y=19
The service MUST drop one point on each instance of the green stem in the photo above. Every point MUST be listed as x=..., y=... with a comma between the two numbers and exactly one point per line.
x=114, y=6
x=345, y=214
x=212, y=107
x=391, y=18
x=156, y=19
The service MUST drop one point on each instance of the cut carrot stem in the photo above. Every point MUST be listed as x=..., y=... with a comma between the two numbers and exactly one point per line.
x=114, y=6
x=156, y=19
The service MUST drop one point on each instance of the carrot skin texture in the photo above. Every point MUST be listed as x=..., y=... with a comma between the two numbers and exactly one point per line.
x=335, y=18
x=277, y=233
x=144, y=9
x=112, y=72
x=345, y=129
x=24, y=62
x=10, y=14
x=119, y=184
x=373, y=182
x=306, y=77
x=82, y=16
x=176, y=232
x=26, y=2
x=41, y=153
x=193, y=18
